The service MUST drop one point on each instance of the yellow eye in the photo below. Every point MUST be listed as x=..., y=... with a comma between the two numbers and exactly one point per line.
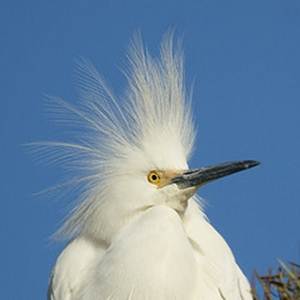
x=153, y=177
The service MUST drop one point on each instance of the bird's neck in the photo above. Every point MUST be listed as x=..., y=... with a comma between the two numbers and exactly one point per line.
x=105, y=223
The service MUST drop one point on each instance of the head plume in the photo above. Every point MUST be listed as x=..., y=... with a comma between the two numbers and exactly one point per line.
x=150, y=128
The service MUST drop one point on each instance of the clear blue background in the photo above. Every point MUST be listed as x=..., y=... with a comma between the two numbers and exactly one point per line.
x=244, y=58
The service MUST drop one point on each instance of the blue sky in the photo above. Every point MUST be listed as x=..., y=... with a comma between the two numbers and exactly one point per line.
x=243, y=57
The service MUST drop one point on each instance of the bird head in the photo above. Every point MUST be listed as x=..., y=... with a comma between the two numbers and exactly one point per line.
x=137, y=155
x=158, y=174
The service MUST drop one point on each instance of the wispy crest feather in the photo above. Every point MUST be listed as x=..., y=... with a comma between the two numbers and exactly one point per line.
x=155, y=107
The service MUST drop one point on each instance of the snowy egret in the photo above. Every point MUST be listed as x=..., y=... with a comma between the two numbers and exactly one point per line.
x=140, y=231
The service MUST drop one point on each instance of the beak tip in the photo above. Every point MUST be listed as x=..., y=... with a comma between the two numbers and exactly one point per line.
x=251, y=163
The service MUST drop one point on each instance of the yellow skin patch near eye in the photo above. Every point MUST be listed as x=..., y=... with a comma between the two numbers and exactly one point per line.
x=161, y=178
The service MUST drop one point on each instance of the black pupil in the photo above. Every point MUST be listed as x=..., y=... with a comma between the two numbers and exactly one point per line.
x=154, y=177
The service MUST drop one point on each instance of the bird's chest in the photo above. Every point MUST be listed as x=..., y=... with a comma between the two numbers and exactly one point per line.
x=152, y=257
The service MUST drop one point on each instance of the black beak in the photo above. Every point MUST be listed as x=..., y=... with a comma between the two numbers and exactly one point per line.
x=204, y=175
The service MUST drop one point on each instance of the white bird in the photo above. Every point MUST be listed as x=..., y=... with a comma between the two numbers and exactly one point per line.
x=140, y=231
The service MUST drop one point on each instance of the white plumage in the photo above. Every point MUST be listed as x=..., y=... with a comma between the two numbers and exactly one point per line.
x=134, y=236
